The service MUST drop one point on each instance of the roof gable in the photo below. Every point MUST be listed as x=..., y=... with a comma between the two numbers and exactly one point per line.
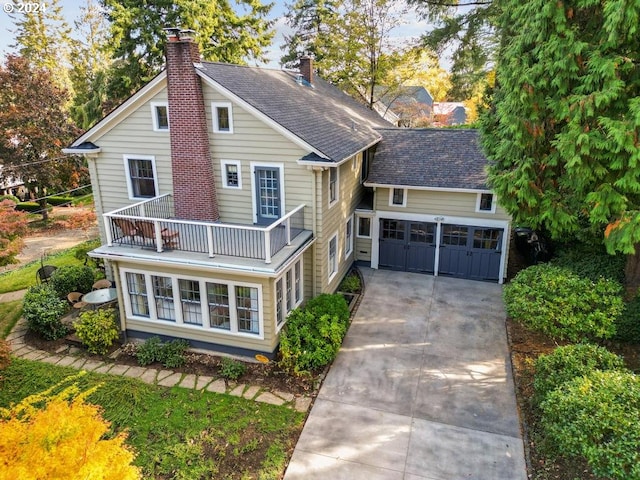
x=334, y=124
x=429, y=158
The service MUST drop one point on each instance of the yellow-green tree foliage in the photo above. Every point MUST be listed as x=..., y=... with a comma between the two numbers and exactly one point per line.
x=57, y=436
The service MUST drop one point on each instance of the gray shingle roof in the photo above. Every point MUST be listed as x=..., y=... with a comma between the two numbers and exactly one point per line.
x=436, y=158
x=323, y=116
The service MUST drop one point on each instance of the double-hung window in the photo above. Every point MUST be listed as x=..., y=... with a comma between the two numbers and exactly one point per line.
x=247, y=309
x=348, y=237
x=333, y=256
x=190, y=299
x=485, y=203
x=160, y=114
x=231, y=174
x=333, y=185
x=222, y=117
x=141, y=176
x=137, y=289
x=218, y=299
x=398, y=197
x=163, y=293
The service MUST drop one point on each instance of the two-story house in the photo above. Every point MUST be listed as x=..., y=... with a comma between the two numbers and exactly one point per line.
x=230, y=194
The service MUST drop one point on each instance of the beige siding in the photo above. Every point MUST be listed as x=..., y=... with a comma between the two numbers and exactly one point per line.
x=253, y=140
x=458, y=204
x=363, y=249
x=332, y=219
x=267, y=344
x=134, y=135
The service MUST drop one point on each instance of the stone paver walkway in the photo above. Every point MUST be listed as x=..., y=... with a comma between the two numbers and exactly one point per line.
x=166, y=378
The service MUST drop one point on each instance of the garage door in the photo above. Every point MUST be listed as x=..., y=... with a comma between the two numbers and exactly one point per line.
x=407, y=245
x=470, y=252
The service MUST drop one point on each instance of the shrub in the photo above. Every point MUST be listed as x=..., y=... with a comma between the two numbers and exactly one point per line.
x=568, y=362
x=59, y=200
x=97, y=329
x=31, y=207
x=72, y=278
x=597, y=417
x=557, y=302
x=13, y=198
x=43, y=310
x=5, y=355
x=327, y=304
x=170, y=354
x=68, y=437
x=591, y=261
x=628, y=324
x=232, y=369
x=350, y=284
x=309, y=342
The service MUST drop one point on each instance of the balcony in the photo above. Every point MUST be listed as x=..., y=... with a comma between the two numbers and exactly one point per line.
x=150, y=224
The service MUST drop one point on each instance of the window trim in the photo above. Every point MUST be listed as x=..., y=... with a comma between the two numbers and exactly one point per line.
x=337, y=189
x=214, y=116
x=405, y=194
x=155, y=118
x=294, y=304
x=153, y=319
x=479, y=202
x=254, y=200
x=360, y=217
x=348, y=241
x=331, y=275
x=127, y=172
x=223, y=168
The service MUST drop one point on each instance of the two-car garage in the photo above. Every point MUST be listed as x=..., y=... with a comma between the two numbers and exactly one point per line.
x=466, y=251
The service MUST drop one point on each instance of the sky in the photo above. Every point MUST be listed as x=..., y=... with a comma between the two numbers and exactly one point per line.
x=71, y=9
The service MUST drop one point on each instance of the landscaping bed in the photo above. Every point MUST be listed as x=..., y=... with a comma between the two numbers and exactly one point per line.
x=527, y=345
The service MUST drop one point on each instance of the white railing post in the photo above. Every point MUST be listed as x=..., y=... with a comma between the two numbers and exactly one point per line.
x=158, y=232
x=287, y=229
x=107, y=230
x=210, y=240
x=267, y=246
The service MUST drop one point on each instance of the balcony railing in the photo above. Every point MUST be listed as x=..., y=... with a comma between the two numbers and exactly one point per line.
x=150, y=223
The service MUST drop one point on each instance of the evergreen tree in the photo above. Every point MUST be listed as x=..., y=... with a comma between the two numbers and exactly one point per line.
x=312, y=22
x=222, y=33
x=563, y=131
x=90, y=60
x=43, y=37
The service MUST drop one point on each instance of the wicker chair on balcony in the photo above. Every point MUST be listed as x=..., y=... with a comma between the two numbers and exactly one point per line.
x=169, y=237
x=127, y=227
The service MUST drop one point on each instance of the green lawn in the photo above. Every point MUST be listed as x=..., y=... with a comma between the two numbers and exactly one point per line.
x=25, y=276
x=177, y=433
x=10, y=312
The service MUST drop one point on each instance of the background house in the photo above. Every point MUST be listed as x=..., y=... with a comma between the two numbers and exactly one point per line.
x=229, y=195
x=449, y=113
x=407, y=106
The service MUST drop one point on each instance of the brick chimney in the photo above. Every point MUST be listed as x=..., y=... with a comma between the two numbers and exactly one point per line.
x=306, y=68
x=194, y=190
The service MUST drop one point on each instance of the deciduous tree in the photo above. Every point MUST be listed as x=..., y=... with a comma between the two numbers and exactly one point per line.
x=563, y=132
x=13, y=224
x=34, y=127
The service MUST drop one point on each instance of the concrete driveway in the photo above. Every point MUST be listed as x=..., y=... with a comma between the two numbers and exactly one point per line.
x=421, y=389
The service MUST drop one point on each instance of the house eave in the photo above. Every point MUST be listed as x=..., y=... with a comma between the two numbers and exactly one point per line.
x=427, y=188
x=330, y=163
